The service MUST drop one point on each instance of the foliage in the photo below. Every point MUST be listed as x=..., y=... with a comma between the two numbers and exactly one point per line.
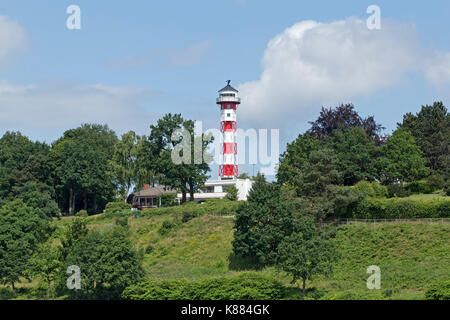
x=117, y=206
x=245, y=286
x=420, y=186
x=108, y=263
x=232, y=193
x=167, y=226
x=82, y=213
x=306, y=253
x=438, y=291
x=371, y=189
x=402, y=159
x=21, y=230
x=344, y=116
x=262, y=222
x=124, y=162
x=371, y=208
x=46, y=264
x=398, y=190
x=168, y=200
x=431, y=129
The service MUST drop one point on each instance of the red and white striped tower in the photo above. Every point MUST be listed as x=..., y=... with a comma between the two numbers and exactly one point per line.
x=228, y=101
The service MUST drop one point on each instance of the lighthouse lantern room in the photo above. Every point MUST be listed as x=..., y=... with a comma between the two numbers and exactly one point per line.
x=228, y=100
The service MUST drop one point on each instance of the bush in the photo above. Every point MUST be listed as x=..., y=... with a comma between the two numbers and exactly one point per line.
x=420, y=186
x=186, y=217
x=371, y=208
x=397, y=190
x=371, y=189
x=120, y=206
x=232, y=193
x=166, y=227
x=439, y=291
x=246, y=286
x=168, y=200
x=82, y=213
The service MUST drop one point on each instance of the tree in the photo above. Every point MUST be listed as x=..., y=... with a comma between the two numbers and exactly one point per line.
x=108, y=263
x=345, y=117
x=89, y=148
x=431, y=129
x=262, y=222
x=172, y=134
x=356, y=154
x=232, y=193
x=80, y=170
x=21, y=229
x=402, y=159
x=123, y=163
x=306, y=253
x=46, y=264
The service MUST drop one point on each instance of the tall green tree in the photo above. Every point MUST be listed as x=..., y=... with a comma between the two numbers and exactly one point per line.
x=124, y=162
x=402, y=159
x=96, y=146
x=306, y=253
x=21, y=229
x=262, y=222
x=431, y=130
x=80, y=170
x=108, y=263
x=173, y=135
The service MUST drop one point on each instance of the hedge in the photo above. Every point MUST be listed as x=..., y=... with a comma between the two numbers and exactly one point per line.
x=246, y=286
x=395, y=208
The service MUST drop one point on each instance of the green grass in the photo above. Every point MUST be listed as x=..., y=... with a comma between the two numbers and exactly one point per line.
x=410, y=255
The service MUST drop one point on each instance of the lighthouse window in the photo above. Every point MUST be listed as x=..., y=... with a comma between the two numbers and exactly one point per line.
x=228, y=106
x=228, y=115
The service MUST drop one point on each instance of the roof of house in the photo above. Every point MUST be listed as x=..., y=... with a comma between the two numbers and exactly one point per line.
x=154, y=192
x=228, y=87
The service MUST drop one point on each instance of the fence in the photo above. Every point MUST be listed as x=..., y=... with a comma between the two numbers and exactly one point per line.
x=380, y=221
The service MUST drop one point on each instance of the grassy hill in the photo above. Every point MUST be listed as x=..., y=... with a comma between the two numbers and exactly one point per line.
x=411, y=255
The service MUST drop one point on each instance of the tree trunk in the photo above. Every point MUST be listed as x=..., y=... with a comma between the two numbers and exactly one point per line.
x=85, y=200
x=183, y=199
x=95, y=203
x=13, y=289
x=73, y=204
x=304, y=286
x=48, y=289
x=70, y=201
x=191, y=190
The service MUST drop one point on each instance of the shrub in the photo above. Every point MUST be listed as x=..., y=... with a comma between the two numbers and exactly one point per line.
x=420, y=186
x=168, y=200
x=397, y=190
x=82, y=213
x=186, y=217
x=245, y=286
x=122, y=221
x=438, y=291
x=120, y=206
x=371, y=208
x=166, y=227
x=232, y=193
x=371, y=189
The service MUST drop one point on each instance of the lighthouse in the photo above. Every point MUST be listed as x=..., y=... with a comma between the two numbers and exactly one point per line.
x=228, y=101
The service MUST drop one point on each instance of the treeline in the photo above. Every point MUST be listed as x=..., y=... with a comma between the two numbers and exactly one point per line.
x=341, y=149
x=90, y=166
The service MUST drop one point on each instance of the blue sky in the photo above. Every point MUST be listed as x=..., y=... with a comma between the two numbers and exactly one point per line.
x=133, y=61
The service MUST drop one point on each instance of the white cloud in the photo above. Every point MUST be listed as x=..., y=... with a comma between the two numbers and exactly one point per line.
x=313, y=64
x=13, y=40
x=62, y=105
